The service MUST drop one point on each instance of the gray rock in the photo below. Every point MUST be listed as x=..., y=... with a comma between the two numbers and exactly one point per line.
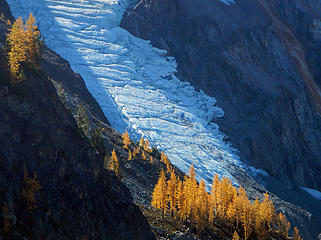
x=261, y=61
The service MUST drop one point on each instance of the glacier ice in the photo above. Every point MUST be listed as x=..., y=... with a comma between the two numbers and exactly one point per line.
x=134, y=83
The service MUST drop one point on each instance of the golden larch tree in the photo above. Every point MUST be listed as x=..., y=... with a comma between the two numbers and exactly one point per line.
x=180, y=203
x=283, y=225
x=135, y=152
x=126, y=140
x=296, y=235
x=33, y=41
x=213, y=198
x=18, y=49
x=235, y=236
x=142, y=142
x=24, y=44
x=147, y=147
x=114, y=163
x=171, y=187
x=159, y=198
x=201, y=207
x=144, y=155
x=130, y=155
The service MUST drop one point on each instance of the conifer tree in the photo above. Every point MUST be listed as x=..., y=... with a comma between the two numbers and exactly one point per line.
x=135, y=152
x=142, y=142
x=213, y=198
x=283, y=225
x=259, y=221
x=24, y=44
x=267, y=210
x=190, y=191
x=159, y=199
x=16, y=39
x=126, y=140
x=235, y=236
x=201, y=207
x=179, y=193
x=130, y=156
x=171, y=187
x=114, y=163
x=296, y=235
x=147, y=146
x=164, y=158
x=190, y=202
x=144, y=155
x=33, y=41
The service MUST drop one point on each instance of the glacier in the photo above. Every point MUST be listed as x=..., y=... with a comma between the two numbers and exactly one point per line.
x=314, y=193
x=135, y=83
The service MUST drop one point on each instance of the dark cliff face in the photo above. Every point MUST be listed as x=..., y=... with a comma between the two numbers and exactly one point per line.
x=79, y=199
x=261, y=61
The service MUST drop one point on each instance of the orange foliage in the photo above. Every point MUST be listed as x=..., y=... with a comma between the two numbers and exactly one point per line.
x=130, y=156
x=189, y=201
x=114, y=163
x=159, y=198
x=23, y=41
x=126, y=140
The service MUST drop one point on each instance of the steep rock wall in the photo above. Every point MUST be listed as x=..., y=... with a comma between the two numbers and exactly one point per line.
x=241, y=55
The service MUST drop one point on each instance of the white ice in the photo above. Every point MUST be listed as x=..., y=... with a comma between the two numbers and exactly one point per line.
x=134, y=83
x=314, y=193
x=228, y=2
x=256, y=171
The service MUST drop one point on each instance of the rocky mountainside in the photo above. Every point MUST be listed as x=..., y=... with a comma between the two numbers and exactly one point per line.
x=51, y=124
x=78, y=198
x=261, y=60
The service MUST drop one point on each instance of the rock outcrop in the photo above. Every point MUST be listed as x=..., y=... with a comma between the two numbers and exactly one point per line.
x=78, y=199
x=261, y=60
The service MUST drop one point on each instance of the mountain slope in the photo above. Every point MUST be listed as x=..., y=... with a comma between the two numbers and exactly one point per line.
x=247, y=57
x=136, y=88
x=79, y=199
x=134, y=83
